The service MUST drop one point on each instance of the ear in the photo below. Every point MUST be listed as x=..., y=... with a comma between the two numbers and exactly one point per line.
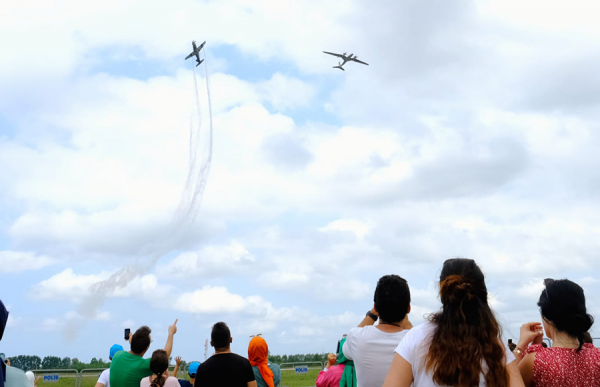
x=409, y=309
x=211, y=344
x=375, y=307
x=230, y=340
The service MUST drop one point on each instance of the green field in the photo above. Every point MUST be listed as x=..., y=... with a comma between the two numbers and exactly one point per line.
x=289, y=378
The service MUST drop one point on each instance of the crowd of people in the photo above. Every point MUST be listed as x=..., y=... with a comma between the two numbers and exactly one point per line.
x=459, y=346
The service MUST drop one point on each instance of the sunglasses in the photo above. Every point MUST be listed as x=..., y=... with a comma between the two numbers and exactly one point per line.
x=547, y=282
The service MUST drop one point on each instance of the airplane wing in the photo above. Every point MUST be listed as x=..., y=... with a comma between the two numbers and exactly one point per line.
x=189, y=56
x=356, y=60
x=334, y=54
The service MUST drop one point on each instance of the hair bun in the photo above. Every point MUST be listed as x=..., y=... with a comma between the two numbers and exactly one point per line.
x=454, y=289
x=582, y=322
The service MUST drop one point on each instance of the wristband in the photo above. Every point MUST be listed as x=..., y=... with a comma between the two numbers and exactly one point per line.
x=373, y=317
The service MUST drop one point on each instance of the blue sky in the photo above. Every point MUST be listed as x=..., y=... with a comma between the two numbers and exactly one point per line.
x=469, y=134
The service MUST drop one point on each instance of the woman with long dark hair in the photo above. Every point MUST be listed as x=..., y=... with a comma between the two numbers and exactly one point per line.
x=159, y=364
x=460, y=346
x=572, y=360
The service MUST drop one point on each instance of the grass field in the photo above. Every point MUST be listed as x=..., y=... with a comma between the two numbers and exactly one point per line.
x=289, y=378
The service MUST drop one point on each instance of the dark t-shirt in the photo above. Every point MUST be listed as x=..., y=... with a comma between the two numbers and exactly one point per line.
x=225, y=369
x=185, y=383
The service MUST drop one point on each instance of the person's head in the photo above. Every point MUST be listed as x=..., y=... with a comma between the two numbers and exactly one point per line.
x=192, y=370
x=159, y=363
x=392, y=298
x=562, y=304
x=220, y=337
x=113, y=350
x=140, y=341
x=467, y=333
x=258, y=350
x=30, y=377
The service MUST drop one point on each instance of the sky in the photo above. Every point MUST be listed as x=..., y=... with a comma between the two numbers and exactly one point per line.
x=472, y=133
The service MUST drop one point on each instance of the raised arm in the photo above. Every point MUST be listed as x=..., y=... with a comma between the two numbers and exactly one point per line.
x=177, y=364
x=400, y=373
x=369, y=320
x=169, y=344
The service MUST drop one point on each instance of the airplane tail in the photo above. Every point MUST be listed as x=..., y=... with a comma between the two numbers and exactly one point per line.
x=199, y=63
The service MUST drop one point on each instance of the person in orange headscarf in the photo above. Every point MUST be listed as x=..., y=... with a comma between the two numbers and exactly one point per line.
x=266, y=374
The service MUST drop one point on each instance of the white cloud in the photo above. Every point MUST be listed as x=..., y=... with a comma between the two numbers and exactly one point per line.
x=16, y=261
x=360, y=229
x=67, y=285
x=209, y=262
x=211, y=300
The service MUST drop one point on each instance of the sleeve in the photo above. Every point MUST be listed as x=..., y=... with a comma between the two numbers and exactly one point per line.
x=277, y=374
x=199, y=375
x=104, y=377
x=406, y=348
x=350, y=344
x=321, y=379
x=249, y=372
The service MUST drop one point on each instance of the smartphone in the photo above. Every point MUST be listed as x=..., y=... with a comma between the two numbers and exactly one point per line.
x=127, y=332
x=337, y=352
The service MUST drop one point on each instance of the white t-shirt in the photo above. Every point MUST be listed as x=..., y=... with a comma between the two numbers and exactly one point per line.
x=414, y=349
x=105, y=377
x=372, y=351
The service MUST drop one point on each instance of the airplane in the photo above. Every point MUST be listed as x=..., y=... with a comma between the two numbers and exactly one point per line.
x=339, y=66
x=196, y=52
x=346, y=58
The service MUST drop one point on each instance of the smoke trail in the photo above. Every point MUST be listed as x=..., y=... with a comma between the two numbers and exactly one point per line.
x=185, y=214
x=202, y=177
x=185, y=203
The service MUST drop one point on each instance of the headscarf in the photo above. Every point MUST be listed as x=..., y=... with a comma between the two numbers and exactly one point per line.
x=3, y=321
x=258, y=351
x=349, y=376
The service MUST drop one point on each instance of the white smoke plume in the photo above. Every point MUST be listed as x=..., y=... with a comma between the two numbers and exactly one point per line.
x=183, y=217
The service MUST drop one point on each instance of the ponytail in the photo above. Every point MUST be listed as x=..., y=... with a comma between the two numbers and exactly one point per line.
x=159, y=381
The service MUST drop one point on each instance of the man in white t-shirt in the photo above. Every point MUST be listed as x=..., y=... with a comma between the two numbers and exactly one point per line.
x=372, y=346
x=104, y=379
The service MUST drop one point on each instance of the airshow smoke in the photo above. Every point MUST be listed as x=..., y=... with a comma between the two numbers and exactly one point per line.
x=183, y=217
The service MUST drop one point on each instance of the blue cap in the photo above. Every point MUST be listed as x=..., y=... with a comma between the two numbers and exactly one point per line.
x=114, y=349
x=193, y=368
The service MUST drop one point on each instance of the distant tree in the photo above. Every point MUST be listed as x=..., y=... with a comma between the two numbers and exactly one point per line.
x=26, y=362
x=65, y=363
x=51, y=362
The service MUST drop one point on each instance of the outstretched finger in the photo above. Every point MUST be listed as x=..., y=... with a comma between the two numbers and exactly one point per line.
x=175, y=323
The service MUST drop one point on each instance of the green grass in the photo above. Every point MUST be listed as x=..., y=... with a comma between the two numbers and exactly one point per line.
x=289, y=378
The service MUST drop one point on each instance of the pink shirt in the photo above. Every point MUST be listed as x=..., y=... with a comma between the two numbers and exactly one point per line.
x=170, y=382
x=560, y=367
x=331, y=377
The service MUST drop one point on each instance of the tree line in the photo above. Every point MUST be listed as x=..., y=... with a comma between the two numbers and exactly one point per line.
x=278, y=359
x=28, y=362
